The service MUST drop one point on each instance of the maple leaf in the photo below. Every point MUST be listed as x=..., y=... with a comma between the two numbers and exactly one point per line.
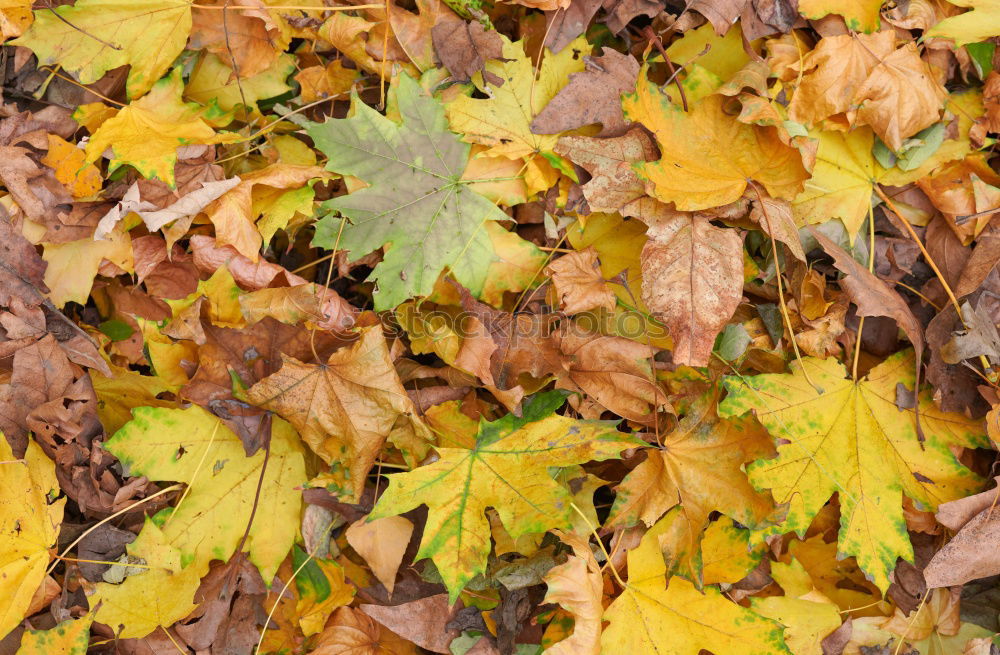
x=851, y=438
x=503, y=120
x=808, y=615
x=698, y=468
x=194, y=447
x=29, y=523
x=147, y=133
x=92, y=37
x=346, y=408
x=578, y=284
x=506, y=469
x=415, y=171
x=707, y=156
x=842, y=181
x=212, y=80
x=657, y=615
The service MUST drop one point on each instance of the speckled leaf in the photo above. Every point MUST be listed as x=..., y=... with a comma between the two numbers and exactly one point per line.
x=194, y=447
x=66, y=638
x=506, y=469
x=848, y=437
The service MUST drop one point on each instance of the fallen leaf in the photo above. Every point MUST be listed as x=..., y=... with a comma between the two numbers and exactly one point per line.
x=244, y=35
x=346, y=408
x=504, y=470
x=578, y=587
x=29, y=521
x=212, y=518
x=381, y=543
x=708, y=157
x=351, y=632
x=578, y=283
x=651, y=617
x=366, y=146
x=699, y=469
x=691, y=272
x=147, y=133
x=66, y=638
x=858, y=443
x=147, y=37
x=591, y=96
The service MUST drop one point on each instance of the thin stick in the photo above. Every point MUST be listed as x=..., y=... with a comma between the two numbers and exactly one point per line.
x=83, y=31
x=270, y=614
x=781, y=292
x=600, y=544
x=229, y=49
x=173, y=487
x=871, y=269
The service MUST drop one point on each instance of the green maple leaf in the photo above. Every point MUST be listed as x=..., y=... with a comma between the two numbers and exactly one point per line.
x=416, y=204
x=506, y=468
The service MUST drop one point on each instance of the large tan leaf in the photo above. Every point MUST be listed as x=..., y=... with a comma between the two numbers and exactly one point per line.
x=344, y=409
x=692, y=280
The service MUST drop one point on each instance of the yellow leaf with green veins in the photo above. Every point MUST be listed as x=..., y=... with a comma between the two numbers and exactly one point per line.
x=146, y=133
x=506, y=469
x=850, y=438
x=92, y=37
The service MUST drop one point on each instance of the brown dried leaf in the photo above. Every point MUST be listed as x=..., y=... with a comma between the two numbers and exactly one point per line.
x=593, y=96
x=692, y=281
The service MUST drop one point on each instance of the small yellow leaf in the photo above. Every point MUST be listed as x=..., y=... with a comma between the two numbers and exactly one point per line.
x=71, y=167
x=147, y=133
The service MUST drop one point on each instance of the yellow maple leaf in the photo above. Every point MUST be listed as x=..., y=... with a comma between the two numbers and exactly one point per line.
x=92, y=37
x=506, y=469
x=849, y=437
x=503, y=121
x=29, y=524
x=657, y=615
x=842, y=181
x=71, y=168
x=707, y=156
x=808, y=615
x=212, y=79
x=700, y=470
x=147, y=133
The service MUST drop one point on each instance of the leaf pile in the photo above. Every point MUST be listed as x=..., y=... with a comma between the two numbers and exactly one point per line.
x=529, y=327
